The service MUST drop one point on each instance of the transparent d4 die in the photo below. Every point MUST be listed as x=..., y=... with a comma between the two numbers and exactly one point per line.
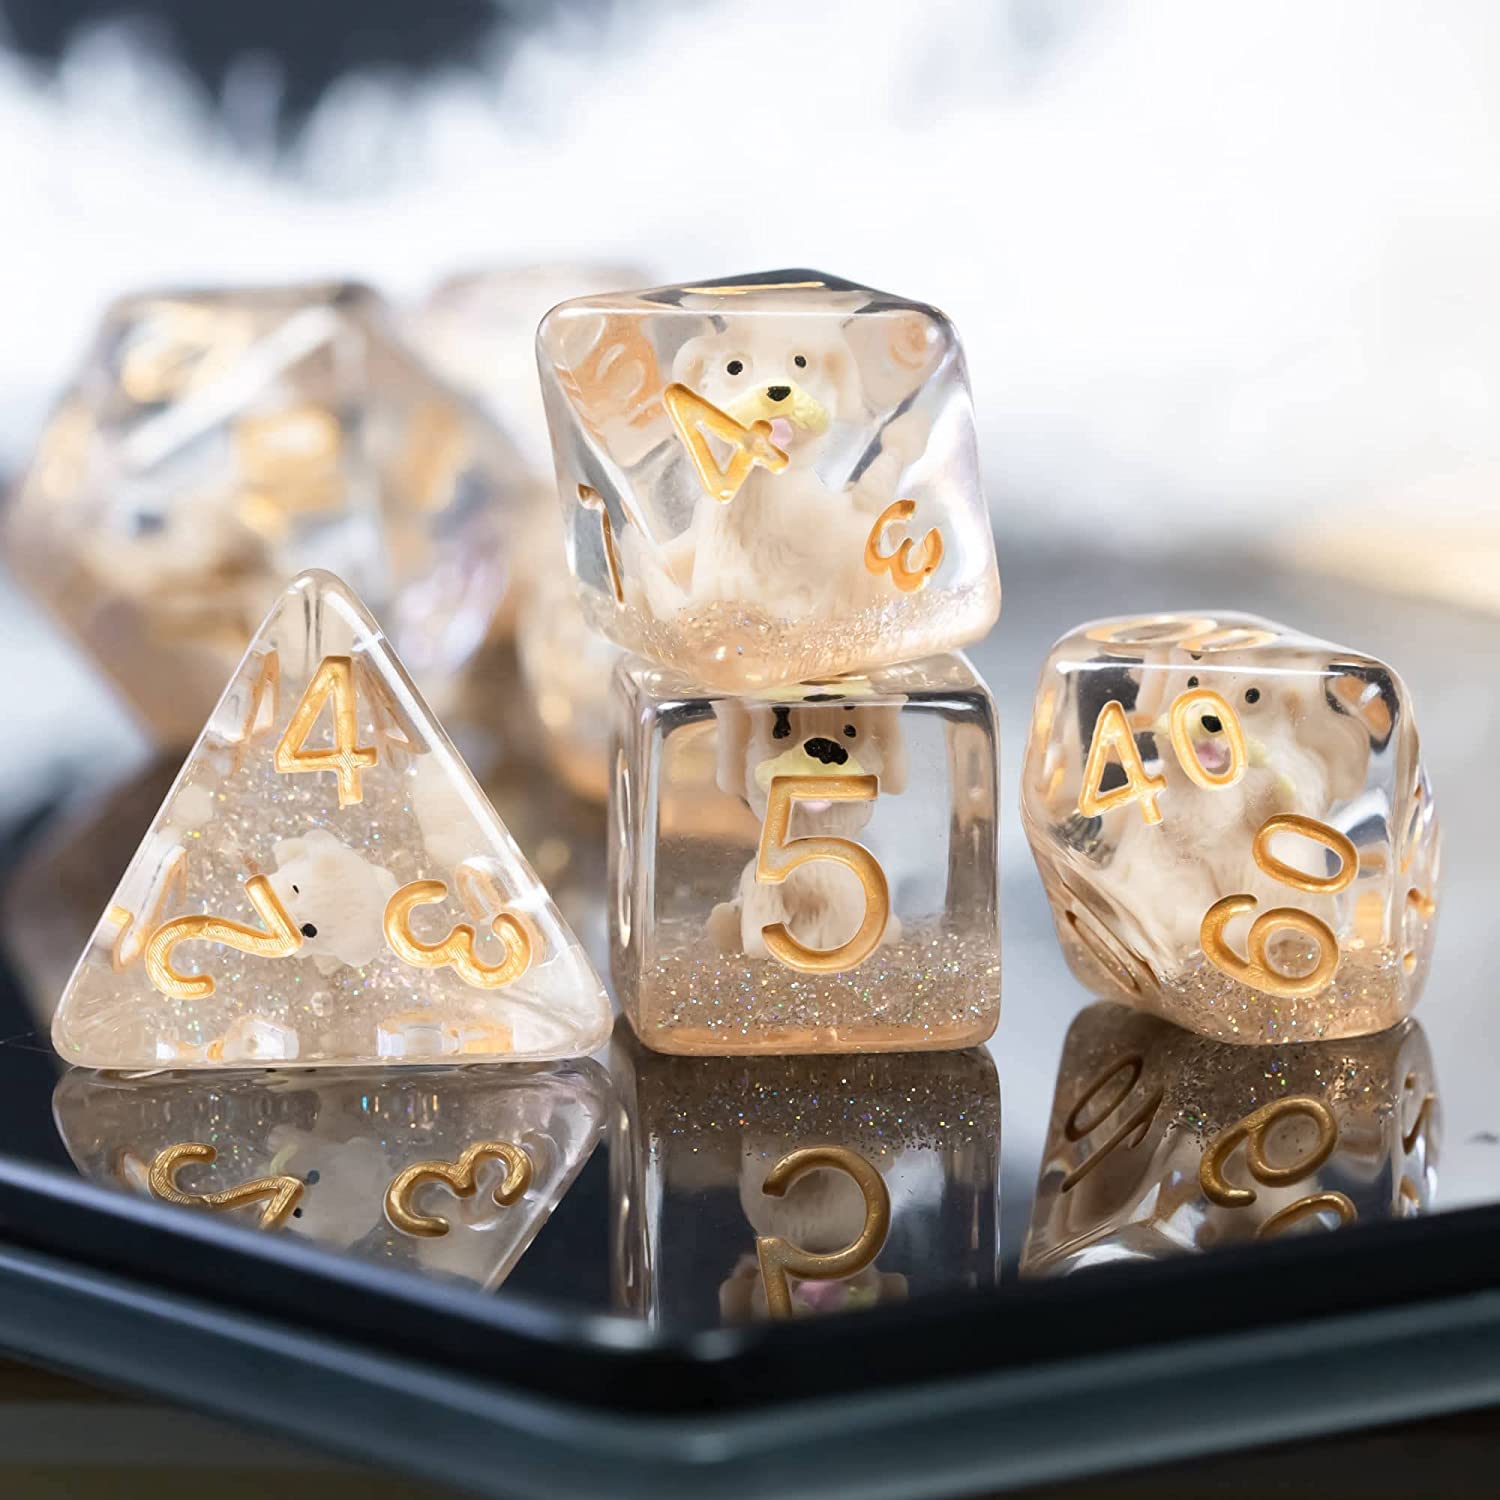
x=734, y=1176
x=1161, y=1141
x=1233, y=825
x=215, y=444
x=769, y=479
x=811, y=869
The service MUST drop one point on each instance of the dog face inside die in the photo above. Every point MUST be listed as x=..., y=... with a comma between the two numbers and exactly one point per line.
x=335, y=897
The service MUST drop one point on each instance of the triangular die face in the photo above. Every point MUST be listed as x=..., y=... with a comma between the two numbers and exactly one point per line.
x=326, y=883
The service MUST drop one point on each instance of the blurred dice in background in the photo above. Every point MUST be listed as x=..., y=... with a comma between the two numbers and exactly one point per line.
x=1162, y=1142
x=1233, y=826
x=768, y=480
x=216, y=443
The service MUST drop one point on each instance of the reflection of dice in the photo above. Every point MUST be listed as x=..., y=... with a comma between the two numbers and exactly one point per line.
x=216, y=443
x=808, y=870
x=696, y=1139
x=771, y=479
x=1162, y=1141
x=1233, y=825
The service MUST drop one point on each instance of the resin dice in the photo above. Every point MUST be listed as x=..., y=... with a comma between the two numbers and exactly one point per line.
x=215, y=444
x=326, y=883
x=416, y=1169
x=769, y=479
x=811, y=869
x=1161, y=1141
x=739, y=1180
x=1233, y=825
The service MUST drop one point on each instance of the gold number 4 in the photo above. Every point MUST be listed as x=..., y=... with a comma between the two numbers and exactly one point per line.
x=280, y=939
x=780, y=1258
x=455, y=951
x=346, y=757
x=692, y=416
x=778, y=857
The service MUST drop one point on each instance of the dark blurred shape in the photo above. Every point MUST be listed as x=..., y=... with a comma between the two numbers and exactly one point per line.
x=311, y=45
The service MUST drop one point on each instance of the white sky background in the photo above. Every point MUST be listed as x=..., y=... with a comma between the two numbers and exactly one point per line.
x=1215, y=265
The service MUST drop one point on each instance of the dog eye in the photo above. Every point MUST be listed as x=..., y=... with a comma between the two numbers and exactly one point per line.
x=1192, y=682
x=800, y=360
x=1252, y=695
x=850, y=730
x=735, y=366
x=295, y=891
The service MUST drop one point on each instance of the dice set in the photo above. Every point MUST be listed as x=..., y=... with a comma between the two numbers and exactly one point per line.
x=771, y=500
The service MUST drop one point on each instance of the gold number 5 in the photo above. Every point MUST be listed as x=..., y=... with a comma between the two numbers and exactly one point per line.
x=780, y=1258
x=457, y=949
x=778, y=857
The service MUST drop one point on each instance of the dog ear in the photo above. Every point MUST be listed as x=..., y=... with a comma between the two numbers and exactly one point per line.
x=1342, y=726
x=839, y=365
x=885, y=723
x=284, y=851
x=734, y=745
x=692, y=359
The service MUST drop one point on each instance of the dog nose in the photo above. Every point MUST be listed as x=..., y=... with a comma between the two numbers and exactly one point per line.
x=1212, y=723
x=828, y=752
x=778, y=392
x=308, y=930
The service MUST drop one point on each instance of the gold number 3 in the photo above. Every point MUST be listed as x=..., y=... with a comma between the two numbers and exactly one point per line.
x=908, y=575
x=455, y=951
x=778, y=857
x=780, y=1258
x=280, y=940
x=461, y=1177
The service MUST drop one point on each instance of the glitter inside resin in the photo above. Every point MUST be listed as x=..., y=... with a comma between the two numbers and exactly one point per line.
x=1162, y=1142
x=345, y=1136
x=1234, y=826
x=695, y=1138
x=769, y=479
x=886, y=902
x=326, y=883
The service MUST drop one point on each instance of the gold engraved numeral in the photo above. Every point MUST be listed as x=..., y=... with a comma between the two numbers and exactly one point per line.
x=280, y=939
x=1129, y=1134
x=1253, y=1130
x=778, y=857
x=1183, y=707
x=346, y=757
x=908, y=572
x=1255, y=969
x=456, y=951
x=1423, y=1119
x=591, y=499
x=461, y=1177
x=279, y=1194
x=780, y=1258
x=692, y=416
x=131, y=935
x=1113, y=736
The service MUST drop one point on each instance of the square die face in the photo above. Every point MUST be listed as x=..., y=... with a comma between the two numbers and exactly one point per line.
x=1233, y=826
x=742, y=465
x=914, y=1136
x=1162, y=1142
x=812, y=870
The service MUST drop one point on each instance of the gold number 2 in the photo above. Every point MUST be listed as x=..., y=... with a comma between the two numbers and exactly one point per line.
x=908, y=575
x=455, y=951
x=692, y=416
x=346, y=757
x=778, y=857
x=280, y=939
x=280, y=1194
x=1253, y=1130
x=779, y=1258
x=461, y=1178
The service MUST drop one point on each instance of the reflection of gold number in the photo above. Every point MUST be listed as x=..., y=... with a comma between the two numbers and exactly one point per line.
x=1423, y=1118
x=346, y=757
x=1253, y=1131
x=1182, y=741
x=778, y=857
x=131, y=935
x=1112, y=735
x=591, y=499
x=779, y=1258
x=1195, y=635
x=462, y=1178
x=692, y=416
x=280, y=1194
x=1130, y=1134
x=907, y=572
x=280, y=939
x=455, y=951
x=1255, y=969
